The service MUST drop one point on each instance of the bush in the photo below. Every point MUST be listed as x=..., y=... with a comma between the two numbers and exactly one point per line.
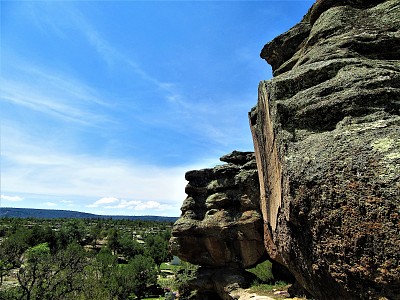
x=183, y=278
x=263, y=271
x=11, y=293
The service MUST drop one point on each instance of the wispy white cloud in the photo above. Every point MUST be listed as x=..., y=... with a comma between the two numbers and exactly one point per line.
x=30, y=167
x=11, y=198
x=67, y=175
x=67, y=201
x=54, y=94
x=124, y=204
x=50, y=204
x=150, y=205
x=110, y=53
x=105, y=200
x=181, y=112
x=134, y=205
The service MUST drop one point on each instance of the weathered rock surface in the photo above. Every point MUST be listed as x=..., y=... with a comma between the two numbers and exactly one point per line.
x=221, y=283
x=326, y=132
x=221, y=224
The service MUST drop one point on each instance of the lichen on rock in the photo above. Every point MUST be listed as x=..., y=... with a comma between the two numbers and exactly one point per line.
x=322, y=195
x=326, y=132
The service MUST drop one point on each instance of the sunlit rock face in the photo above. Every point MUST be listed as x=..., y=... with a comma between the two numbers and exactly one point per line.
x=221, y=227
x=221, y=223
x=326, y=133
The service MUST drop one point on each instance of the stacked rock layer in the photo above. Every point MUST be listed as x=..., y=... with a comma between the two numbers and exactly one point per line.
x=221, y=226
x=326, y=132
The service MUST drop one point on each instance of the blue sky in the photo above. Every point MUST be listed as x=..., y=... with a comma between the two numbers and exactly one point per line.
x=106, y=104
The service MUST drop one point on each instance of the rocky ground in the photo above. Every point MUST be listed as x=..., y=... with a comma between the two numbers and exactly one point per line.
x=247, y=294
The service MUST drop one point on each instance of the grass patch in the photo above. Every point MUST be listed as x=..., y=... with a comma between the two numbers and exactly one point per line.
x=168, y=266
x=265, y=284
x=264, y=289
x=267, y=288
x=167, y=283
x=263, y=271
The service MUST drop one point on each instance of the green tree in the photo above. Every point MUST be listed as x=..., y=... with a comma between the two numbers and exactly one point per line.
x=10, y=293
x=72, y=231
x=46, y=277
x=113, y=240
x=5, y=268
x=31, y=275
x=183, y=278
x=137, y=276
x=263, y=271
x=14, y=246
x=75, y=230
x=105, y=262
x=157, y=248
x=103, y=274
x=67, y=276
x=122, y=281
x=94, y=234
x=129, y=248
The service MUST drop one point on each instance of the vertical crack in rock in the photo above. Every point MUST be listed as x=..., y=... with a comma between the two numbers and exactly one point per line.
x=269, y=167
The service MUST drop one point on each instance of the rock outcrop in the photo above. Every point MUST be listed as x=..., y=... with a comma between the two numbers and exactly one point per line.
x=221, y=227
x=326, y=132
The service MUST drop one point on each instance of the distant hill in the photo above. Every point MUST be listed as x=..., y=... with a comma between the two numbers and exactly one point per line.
x=9, y=212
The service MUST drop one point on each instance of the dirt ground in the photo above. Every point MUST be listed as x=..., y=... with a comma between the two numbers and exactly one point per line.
x=278, y=294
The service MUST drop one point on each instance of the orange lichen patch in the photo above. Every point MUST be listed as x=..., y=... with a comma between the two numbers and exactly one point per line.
x=373, y=225
x=353, y=185
x=348, y=208
x=373, y=200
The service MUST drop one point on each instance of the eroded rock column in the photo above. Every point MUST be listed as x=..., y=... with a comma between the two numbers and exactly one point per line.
x=221, y=227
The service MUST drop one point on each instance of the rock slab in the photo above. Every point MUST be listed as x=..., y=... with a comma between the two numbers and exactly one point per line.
x=326, y=132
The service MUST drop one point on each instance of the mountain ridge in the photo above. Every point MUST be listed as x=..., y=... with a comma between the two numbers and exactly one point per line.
x=12, y=212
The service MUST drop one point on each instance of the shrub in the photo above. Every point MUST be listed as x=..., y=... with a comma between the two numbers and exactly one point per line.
x=263, y=271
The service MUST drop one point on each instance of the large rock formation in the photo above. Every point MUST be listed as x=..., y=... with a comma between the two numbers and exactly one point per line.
x=326, y=132
x=221, y=226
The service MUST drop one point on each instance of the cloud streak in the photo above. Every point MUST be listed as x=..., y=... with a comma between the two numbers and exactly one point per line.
x=30, y=168
x=105, y=200
x=132, y=205
x=74, y=101
x=52, y=94
x=11, y=198
x=111, y=54
x=68, y=175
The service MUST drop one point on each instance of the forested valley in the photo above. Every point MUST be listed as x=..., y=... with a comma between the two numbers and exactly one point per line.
x=87, y=259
